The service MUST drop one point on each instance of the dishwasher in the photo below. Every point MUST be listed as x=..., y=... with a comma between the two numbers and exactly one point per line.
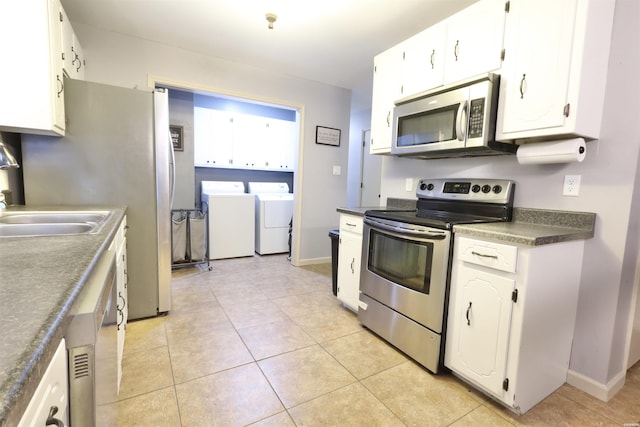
x=92, y=344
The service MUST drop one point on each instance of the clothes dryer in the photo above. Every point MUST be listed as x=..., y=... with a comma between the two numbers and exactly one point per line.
x=231, y=219
x=274, y=212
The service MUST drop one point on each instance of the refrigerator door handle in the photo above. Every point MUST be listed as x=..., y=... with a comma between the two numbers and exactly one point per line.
x=172, y=171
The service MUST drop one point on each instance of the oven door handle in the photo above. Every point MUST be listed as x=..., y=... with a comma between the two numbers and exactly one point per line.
x=431, y=235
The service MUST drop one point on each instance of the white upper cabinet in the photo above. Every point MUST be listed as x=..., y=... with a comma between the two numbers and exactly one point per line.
x=72, y=52
x=243, y=141
x=280, y=152
x=474, y=40
x=465, y=45
x=203, y=136
x=32, y=83
x=554, y=71
x=423, y=60
x=387, y=88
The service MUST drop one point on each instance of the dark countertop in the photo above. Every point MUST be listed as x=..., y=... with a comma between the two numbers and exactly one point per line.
x=391, y=204
x=40, y=278
x=535, y=227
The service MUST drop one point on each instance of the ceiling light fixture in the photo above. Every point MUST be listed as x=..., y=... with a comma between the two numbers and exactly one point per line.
x=271, y=18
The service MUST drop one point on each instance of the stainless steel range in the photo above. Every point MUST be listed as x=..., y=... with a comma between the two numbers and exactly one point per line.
x=406, y=260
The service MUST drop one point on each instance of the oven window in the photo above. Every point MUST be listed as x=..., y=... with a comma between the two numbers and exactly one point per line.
x=401, y=261
x=428, y=127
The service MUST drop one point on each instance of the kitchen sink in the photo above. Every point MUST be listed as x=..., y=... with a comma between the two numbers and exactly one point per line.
x=30, y=230
x=51, y=217
x=50, y=223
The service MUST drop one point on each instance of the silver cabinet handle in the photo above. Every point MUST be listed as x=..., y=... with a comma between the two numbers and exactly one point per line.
x=432, y=60
x=388, y=118
x=352, y=261
x=484, y=255
x=51, y=420
x=61, y=85
x=468, y=310
x=456, y=49
x=523, y=86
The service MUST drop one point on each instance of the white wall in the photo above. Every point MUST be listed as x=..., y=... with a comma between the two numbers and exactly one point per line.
x=608, y=185
x=124, y=61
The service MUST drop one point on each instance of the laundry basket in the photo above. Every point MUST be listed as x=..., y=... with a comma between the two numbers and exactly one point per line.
x=179, y=236
x=189, y=238
x=197, y=249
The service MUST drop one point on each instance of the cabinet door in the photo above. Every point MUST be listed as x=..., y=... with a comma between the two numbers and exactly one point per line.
x=423, y=66
x=52, y=391
x=249, y=141
x=202, y=137
x=349, y=269
x=386, y=89
x=479, y=326
x=280, y=145
x=121, y=304
x=535, y=79
x=222, y=129
x=474, y=40
x=78, y=62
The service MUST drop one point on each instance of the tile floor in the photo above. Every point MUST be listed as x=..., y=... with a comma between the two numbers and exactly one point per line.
x=259, y=342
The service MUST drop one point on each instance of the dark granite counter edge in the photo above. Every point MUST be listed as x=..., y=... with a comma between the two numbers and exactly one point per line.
x=29, y=374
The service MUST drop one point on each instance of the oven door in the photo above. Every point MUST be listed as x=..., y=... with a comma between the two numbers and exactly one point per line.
x=404, y=267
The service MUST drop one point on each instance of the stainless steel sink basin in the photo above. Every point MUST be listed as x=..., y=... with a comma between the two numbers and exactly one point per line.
x=51, y=217
x=50, y=223
x=30, y=230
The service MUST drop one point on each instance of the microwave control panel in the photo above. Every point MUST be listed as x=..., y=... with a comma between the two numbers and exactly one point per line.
x=476, y=118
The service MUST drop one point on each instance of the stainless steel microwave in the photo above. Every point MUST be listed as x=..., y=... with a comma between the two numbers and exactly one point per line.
x=450, y=121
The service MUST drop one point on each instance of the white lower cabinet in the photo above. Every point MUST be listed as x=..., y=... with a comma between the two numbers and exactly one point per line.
x=349, y=255
x=50, y=402
x=511, y=317
x=122, y=307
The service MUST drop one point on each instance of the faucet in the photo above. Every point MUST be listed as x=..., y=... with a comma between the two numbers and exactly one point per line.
x=7, y=160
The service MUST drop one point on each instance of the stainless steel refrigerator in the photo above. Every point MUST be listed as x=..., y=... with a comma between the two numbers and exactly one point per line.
x=117, y=151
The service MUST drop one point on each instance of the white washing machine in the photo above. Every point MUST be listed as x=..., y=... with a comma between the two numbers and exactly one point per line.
x=274, y=210
x=231, y=219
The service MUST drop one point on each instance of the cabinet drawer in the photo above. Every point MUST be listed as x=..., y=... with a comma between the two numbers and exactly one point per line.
x=488, y=254
x=351, y=223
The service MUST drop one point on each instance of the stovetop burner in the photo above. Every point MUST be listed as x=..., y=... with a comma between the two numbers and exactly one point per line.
x=445, y=203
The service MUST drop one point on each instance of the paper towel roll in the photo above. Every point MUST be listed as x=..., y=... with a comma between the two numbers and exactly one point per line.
x=563, y=151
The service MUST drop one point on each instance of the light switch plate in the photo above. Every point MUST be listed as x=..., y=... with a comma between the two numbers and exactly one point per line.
x=408, y=184
x=337, y=170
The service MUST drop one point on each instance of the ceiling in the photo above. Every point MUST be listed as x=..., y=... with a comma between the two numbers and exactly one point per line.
x=330, y=41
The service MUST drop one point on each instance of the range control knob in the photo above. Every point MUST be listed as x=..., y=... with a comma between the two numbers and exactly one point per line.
x=475, y=188
x=486, y=188
x=430, y=186
x=423, y=186
x=497, y=189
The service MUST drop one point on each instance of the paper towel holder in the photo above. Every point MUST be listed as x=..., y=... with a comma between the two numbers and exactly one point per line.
x=550, y=152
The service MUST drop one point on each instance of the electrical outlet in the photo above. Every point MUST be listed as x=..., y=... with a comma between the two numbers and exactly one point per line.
x=571, y=185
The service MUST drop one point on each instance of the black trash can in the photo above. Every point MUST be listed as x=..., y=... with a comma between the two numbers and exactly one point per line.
x=335, y=243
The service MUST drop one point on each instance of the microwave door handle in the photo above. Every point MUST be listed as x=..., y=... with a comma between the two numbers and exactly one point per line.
x=460, y=129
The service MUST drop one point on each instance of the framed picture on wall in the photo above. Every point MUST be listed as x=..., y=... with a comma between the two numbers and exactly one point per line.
x=327, y=136
x=176, y=137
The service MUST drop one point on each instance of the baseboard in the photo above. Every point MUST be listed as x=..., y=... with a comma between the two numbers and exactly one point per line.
x=313, y=261
x=598, y=390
